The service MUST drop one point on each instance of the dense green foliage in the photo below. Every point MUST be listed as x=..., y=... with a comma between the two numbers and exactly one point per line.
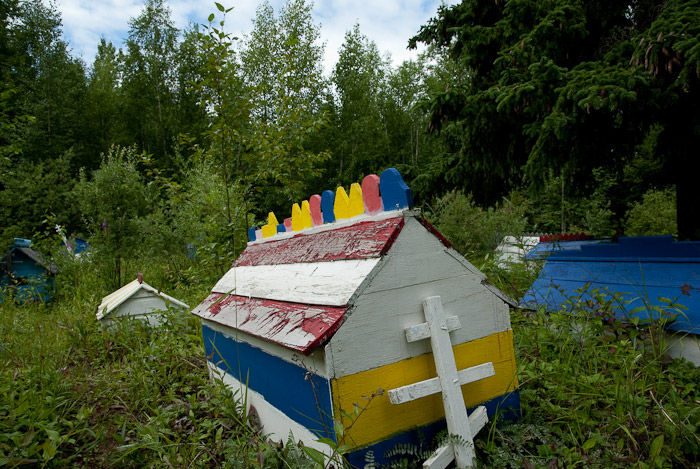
x=596, y=394
x=655, y=215
x=530, y=98
x=567, y=87
x=75, y=394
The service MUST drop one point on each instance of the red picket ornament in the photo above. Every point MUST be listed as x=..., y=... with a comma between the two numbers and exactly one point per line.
x=371, y=196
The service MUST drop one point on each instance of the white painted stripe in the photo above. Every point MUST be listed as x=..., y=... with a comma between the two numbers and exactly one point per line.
x=276, y=425
x=319, y=283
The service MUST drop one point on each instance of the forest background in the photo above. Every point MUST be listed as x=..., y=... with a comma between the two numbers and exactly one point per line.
x=519, y=117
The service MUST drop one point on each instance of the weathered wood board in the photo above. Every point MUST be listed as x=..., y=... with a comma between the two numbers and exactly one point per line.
x=323, y=283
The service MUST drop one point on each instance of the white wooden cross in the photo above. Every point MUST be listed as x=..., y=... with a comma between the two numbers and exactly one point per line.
x=449, y=381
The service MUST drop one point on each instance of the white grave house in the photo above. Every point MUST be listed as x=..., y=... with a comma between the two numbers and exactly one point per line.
x=137, y=300
x=356, y=312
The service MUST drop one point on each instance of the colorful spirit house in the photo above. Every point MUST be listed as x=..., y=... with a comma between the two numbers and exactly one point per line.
x=137, y=300
x=312, y=323
x=25, y=274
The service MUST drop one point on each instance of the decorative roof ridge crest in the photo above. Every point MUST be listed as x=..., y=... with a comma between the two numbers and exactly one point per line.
x=333, y=210
x=403, y=213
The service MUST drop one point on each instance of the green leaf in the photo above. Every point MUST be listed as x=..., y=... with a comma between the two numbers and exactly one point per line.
x=656, y=446
x=328, y=441
x=211, y=17
x=589, y=444
x=339, y=429
x=315, y=455
x=53, y=435
x=220, y=6
x=48, y=450
x=28, y=437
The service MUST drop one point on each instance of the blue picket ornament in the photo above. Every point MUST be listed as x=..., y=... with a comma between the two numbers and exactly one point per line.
x=327, y=203
x=396, y=195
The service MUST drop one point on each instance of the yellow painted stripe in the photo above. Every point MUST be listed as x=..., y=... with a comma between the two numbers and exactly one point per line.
x=382, y=419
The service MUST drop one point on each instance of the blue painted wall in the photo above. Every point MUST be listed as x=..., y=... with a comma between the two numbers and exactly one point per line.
x=393, y=449
x=302, y=396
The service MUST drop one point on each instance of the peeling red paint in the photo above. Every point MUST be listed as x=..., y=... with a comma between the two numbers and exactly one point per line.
x=358, y=241
x=293, y=325
x=211, y=303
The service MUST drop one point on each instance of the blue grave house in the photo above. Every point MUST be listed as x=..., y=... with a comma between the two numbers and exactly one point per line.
x=25, y=275
x=647, y=277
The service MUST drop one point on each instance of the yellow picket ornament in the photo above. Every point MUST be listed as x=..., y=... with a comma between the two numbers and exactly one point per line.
x=270, y=229
x=341, y=207
x=297, y=225
x=306, y=214
x=357, y=205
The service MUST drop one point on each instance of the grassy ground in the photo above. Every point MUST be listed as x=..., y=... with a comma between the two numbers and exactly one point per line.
x=73, y=394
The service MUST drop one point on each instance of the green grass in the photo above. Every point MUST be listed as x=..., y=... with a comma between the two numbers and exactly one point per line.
x=594, y=393
x=77, y=394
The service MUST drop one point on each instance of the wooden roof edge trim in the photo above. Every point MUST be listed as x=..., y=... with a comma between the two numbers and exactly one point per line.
x=147, y=287
x=423, y=221
x=484, y=281
x=34, y=255
x=499, y=293
x=203, y=312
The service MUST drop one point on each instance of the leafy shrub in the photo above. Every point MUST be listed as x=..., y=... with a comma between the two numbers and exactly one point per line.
x=475, y=232
x=114, y=202
x=655, y=215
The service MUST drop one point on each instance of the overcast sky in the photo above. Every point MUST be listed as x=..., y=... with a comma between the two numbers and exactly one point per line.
x=389, y=23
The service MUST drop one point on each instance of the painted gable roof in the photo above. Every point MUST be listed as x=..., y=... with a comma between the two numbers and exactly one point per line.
x=295, y=291
x=19, y=251
x=112, y=301
x=295, y=282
